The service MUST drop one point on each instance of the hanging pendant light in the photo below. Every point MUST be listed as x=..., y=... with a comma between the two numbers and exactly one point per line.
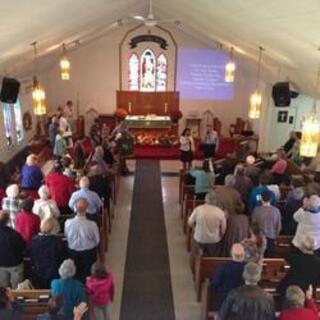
x=38, y=93
x=64, y=64
x=256, y=98
x=230, y=68
x=311, y=129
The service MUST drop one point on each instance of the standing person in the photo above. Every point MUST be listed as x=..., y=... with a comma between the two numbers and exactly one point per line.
x=242, y=183
x=53, y=130
x=268, y=218
x=11, y=203
x=65, y=129
x=31, y=176
x=278, y=170
x=12, y=248
x=209, y=224
x=60, y=187
x=186, y=148
x=204, y=180
x=100, y=288
x=95, y=133
x=83, y=239
x=27, y=223
x=60, y=145
x=248, y=301
x=210, y=143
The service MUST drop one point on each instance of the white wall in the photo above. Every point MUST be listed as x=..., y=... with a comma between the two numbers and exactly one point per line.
x=95, y=79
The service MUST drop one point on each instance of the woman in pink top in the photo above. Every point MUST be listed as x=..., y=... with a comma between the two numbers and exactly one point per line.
x=100, y=289
x=278, y=170
x=27, y=223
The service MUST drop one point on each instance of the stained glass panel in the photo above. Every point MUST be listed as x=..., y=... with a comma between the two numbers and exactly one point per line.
x=134, y=72
x=148, y=71
x=18, y=121
x=8, y=124
x=162, y=67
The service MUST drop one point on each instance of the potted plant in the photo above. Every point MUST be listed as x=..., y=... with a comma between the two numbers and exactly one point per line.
x=175, y=116
x=120, y=114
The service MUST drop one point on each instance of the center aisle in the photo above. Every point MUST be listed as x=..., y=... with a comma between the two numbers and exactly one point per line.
x=147, y=292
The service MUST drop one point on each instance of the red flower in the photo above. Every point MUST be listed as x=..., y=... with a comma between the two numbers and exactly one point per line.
x=175, y=115
x=121, y=113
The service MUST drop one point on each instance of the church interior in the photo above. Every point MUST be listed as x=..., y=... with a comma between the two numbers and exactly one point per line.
x=159, y=160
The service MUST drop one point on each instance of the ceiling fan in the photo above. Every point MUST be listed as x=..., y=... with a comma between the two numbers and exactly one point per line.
x=150, y=20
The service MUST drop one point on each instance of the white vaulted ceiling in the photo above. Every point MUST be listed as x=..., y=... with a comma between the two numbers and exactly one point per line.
x=289, y=30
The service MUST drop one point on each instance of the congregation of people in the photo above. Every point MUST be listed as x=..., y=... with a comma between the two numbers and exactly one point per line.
x=242, y=210
x=54, y=222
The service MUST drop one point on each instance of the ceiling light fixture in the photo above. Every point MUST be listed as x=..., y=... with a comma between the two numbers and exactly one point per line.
x=64, y=64
x=230, y=68
x=256, y=98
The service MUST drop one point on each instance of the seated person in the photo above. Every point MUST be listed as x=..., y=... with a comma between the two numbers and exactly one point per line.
x=251, y=170
x=313, y=187
x=268, y=218
x=31, y=174
x=229, y=275
x=12, y=248
x=47, y=253
x=299, y=305
x=71, y=290
x=98, y=183
x=27, y=223
x=304, y=268
x=290, y=142
x=204, y=180
x=248, y=301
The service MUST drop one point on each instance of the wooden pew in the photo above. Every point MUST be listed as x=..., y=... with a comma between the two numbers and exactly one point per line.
x=34, y=302
x=187, y=194
x=283, y=245
x=205, y=267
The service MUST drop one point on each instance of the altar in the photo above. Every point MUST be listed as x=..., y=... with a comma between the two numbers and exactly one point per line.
x=148, y=122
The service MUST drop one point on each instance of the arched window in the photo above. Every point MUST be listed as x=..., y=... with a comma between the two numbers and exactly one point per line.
x=162, y=67
x=148, y=71
x=18, y=121
x=134, y=72
x=8, y=124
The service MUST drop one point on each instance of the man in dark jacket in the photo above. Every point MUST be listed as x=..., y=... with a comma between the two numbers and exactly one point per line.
x=12, y=248
x=248, y=301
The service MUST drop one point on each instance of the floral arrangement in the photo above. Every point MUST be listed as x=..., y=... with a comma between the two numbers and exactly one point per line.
x=120, y=113
x=144, y=139
x=175, y=115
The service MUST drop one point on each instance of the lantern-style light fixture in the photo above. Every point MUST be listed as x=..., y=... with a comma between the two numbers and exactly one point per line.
x=230, y=68
x=256, y=98
x=311, y=129
x=64, y=64
x=38, y=93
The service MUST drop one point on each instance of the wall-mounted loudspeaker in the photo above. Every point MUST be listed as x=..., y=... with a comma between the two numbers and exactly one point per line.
x=282, y=93
x=10, y=90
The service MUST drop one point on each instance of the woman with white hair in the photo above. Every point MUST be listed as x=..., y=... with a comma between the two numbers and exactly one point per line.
x=308, y=219
x=31, y=176
x=299, y=305
x=304, y=267
x=98, y=158
x=71, y=290
x=11, y=203
x=46, y=208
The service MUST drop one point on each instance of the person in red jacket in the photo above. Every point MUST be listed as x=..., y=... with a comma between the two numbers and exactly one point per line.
x=61, y=188
x=299, y=305
x=27, y=223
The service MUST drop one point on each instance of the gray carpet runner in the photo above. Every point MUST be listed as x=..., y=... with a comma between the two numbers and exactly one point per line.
x=147, y=292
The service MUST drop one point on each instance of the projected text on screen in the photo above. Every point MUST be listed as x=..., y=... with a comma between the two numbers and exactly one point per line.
x=201, y=75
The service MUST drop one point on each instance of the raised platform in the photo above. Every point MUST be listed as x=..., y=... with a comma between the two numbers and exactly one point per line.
x=173, y=152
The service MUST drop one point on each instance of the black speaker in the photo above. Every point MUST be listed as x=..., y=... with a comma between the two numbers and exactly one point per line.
x=10, y=90
x=281, y=94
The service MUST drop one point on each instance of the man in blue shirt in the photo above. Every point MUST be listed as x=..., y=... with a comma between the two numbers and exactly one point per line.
x=94, y=201
x=255, y=194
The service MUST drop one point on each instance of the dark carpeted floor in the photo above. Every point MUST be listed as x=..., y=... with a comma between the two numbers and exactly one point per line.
x=147, y=293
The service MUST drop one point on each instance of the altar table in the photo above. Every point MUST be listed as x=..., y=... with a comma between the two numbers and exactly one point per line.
x=148, y=122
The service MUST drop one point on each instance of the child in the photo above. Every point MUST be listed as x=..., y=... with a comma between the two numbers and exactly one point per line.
x=100, y=288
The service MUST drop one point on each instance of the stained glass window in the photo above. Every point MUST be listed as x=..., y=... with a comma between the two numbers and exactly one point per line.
x=134, y=72
x=18, y=121
x=148, y=71
x=8, y=124
x=162, y=64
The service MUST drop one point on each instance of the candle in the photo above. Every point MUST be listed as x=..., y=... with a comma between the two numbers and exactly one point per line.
x=129, y=107
x=165, y=107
